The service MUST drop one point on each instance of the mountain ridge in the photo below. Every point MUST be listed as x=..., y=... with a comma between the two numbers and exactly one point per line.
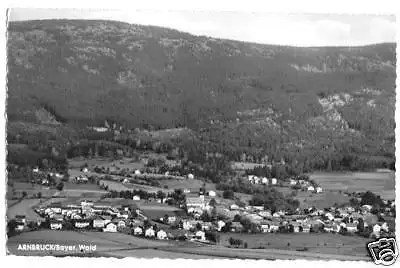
x=151, y=77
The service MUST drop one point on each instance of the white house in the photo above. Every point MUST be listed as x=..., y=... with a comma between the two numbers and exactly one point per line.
x=200, y=235
x=137, y=231
x=161, y=235
x=274, y=181
x=212, y=193
x=234, y=207
x=85, y=170
x=136, y=198
x=385, y=227
x=110, y=227
x=137, y=172
x=220, y=224
x=99, y=222
x=36, y=170
x=293, y=182
x=366, y=208
x=376, y=229
x=310, y=188
x=82, y=224
x=318, y=189
x=329, y=216
x=351, y=227
x=264, y=180
x=55, y=225
x=190, y=176
x=149, y=232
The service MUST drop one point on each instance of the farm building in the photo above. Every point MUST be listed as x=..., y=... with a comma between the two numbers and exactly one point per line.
x=110, y=227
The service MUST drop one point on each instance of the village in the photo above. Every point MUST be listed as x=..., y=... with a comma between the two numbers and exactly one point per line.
x=200, y=215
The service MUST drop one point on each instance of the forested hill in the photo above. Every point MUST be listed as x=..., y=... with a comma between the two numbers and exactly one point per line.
x=239, y=95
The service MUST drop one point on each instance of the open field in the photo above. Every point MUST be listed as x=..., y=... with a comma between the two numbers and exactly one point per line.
x=81, y=190
x=156, y=211
x=191, y=184
x=114, y=185
x=24, y=208
x=122, y=245
x=320, y=200
x=382, y=184
x=125, y=163
x=30, y=190
x=316, y=243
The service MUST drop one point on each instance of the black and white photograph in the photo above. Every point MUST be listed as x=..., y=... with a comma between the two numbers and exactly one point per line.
x=179, y=134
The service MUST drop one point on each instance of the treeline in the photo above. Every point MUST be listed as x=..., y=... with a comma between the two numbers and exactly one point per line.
x=274, y=200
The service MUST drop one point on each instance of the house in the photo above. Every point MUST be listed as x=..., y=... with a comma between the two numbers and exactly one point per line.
x=310, y=188
x=318, y=190
x=264, y=180
x=274, y=227
x=19, y=226
x=220, y=225
x=20, y=218
x=366, y=208
x=85, y=170
x=195, y=203
x=110, y=228
x=55, y=225
x=149, y=232
x=99, y=222
x=186, y=191
x=236, y=227
x=328, y=228
x=36, y=170
x=120, y=222
x=234, y=207
x=136, y=198
x=200, y=235
x=81, y=224
x=265, y=226
x=351, y=227
x=336, y=227
x=138, y=231
x=137, y=172
x=81, y=179
x=265, y=213
x=376, y=229
x=211, y=193
x=293, y=182
x=274, y=181
x=329, y=216
x=161, y=235
x=385, y=227
x=306, y=228
x=206, y=226
x=296, y=226
x=190, y=176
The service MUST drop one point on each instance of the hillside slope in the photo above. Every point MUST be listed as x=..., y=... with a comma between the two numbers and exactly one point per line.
x=150, y=77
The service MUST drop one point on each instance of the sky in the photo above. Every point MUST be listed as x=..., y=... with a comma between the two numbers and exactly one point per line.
x=267, y=28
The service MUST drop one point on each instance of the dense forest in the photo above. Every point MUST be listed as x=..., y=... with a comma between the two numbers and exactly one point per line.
x=325, y=108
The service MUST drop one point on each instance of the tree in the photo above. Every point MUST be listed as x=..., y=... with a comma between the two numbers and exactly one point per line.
x=198, y=226
x=24, y=194
x=369, y=198
x=11, y=225
x=228, y=194
x=60, y=186
x=360, y=225
x=39, y=195
x=165, y=219
x=213, y=203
